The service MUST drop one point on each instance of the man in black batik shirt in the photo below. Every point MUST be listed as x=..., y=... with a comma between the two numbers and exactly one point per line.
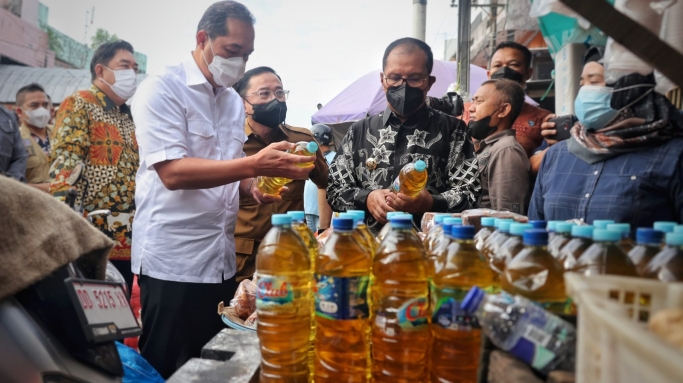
x=375, y=149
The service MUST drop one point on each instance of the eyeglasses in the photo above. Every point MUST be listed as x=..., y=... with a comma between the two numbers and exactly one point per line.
x=398, y=81
x=266, y=94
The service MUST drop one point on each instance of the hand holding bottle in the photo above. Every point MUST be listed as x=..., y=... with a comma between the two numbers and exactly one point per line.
x=273, y=161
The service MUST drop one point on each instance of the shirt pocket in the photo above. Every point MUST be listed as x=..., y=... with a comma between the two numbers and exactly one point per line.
x=202, y=140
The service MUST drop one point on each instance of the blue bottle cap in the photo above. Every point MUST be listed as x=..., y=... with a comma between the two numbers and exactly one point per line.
x=649, y=236
x=312, y=147
x=280, y=219
x=438, y=219
x=349, y=216
x=420, y=166
x=393, y=213
x=519, y=228
x=539, y=224
x=563, y=227
x=488, y=221
x=360, y=213
x=343, y=223
x=551, y=225
x=462, y=232
x=603, y=235
x=678, y=229
x=665, y=226
x=297, y=216
x=473, y=300
x=582, y=231
x=504, y=226
x=452, y=221
x=447, y=229
x=499, y=221
x=401, y=222
x=674, y=239
x=602, y=223
x=623, y=228
x=405, y=215
x=536, y=237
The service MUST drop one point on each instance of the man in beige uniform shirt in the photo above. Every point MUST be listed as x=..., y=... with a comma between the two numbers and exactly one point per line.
x=34, y=110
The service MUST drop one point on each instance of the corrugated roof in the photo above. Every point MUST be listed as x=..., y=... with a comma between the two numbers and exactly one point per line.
x=59, y=83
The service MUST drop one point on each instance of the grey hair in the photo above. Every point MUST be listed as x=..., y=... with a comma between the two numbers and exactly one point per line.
x=214, y=19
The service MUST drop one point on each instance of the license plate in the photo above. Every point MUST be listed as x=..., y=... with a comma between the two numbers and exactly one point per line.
x=103, y=310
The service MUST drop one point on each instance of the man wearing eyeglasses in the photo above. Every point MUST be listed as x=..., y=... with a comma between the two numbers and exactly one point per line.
x=375, y=149
x=266, y=108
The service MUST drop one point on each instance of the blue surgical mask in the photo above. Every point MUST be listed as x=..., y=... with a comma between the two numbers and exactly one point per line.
x=592, y=106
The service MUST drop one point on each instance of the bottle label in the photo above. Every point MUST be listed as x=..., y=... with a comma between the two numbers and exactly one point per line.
x=342, y=298
x=446, y=311
x=396, y=186
x=413, y=314
x=273, y=291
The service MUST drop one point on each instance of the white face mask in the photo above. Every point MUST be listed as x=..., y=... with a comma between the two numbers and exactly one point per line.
x=126, y=81
x=39, y=117
x=226, y=72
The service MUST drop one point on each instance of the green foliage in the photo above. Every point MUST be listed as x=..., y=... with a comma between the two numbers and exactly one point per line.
x=102, y=37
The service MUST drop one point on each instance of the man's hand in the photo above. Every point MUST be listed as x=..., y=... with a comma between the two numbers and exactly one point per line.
x=265, y=199
x=419, y=204
x=272, y=161
x=548, y=129
x=377, y=204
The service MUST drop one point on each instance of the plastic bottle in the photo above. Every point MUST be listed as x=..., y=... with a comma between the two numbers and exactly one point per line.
x=563, y=231
x=400, y=307
x=434, y=233
x=515, y=324
x=536, y=275
x=665, y=226
x=358, y=235
x=387, y=227
x=493, y=238
x=678, y=229
x=434, y=257
x=499, y=240
x=272, y=185
x=283, y=303
x=605, y=256
x=551, y=229
x=601, y=224
x=364, y=230
x=456, y=337
x=411, y=179
x=488, y=225
x=649, y=244
x=626, y=242
x=538, y=224
x=582, y=239
x=513, y=245
x=667, y=265
x=342, y=278
x=438, y=217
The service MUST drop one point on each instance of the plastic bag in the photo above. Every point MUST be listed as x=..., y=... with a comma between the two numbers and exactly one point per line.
x=473, y=217
x=135, y=368
x=322, y=238
x=244, y=301
x=427, y=222
x=251, y=321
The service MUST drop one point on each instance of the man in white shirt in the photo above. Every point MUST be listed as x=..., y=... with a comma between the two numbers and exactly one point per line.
x=190, y=131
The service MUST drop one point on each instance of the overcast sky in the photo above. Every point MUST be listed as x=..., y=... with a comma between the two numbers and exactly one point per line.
x=317, y=46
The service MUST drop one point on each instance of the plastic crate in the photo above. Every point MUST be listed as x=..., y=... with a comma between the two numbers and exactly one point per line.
x=614, y=345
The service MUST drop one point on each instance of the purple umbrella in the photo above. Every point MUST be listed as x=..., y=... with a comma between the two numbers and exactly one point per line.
x=365, y=96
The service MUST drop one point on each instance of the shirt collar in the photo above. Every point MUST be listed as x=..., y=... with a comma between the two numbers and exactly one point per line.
x=492, y=139
x=248, y=131
x=193, y=75
x=105, y=101
x=418, y=116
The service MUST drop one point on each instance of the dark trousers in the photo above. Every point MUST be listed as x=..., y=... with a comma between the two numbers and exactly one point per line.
x=178, y=319
x=124, y=268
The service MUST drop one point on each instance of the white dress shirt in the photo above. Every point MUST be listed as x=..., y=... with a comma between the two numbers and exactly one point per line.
x=185, y=235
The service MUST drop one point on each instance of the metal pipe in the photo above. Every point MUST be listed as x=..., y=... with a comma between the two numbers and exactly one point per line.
x=419, y=19
x=464, y=15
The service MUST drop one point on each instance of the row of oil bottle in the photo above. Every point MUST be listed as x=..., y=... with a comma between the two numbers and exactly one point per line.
x=395, y=309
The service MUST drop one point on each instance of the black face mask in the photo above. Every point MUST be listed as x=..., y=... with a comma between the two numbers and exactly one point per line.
x=508, y=73
x=270, y=114
x=405, y=99
x=480, y=129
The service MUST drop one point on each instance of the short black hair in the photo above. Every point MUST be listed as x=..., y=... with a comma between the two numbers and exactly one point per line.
x=106, y=52
x=409, y=41
x=511, y=44
x=512, y=93
x=242, y=85
x=30, y=88
x=213, y=21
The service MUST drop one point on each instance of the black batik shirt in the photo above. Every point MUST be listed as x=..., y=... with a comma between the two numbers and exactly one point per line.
x=436, y=138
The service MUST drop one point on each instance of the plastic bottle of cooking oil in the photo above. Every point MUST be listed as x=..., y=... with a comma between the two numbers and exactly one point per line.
x=551, y=229
x=486, y=248
x=488, y=226
x=563, y=232
x=648, y=244
x=283, y=303
x=536, y=275
x=435, y=256
x=605, y=256
x=665, y=226
x=626, y=242
x=400, y=306
x=272, y=185
x=387, y=227
x=363, y=229
x=582, y=239
x=456, y=336
x=513, y=245
x=601, y=224
x=411, y=179
x=434, y=233
x=539, y=224
x=667, y=265
x=499, y=240
x=342, y=277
